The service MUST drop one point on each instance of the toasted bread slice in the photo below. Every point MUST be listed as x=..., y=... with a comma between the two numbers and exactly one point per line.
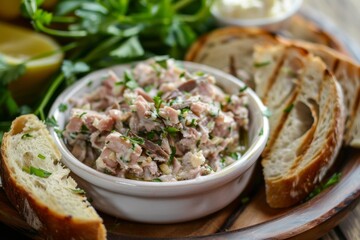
x=40, y=187
x=230, y=49
x=347, y=73
x=296, y=160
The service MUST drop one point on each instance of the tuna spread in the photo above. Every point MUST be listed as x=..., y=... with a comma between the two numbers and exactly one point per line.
x=158, y=122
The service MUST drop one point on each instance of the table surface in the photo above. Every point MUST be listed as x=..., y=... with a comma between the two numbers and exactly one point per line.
x=342, y=14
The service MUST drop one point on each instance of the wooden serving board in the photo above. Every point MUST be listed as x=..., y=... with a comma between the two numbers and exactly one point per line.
x=247, y=217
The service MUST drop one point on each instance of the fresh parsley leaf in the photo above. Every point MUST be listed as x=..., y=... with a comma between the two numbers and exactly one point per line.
x=261, y=64
x=335, y=178
x=157, y=101
x=289, y=108
x=51, y=122
x=171, y=130
x=129, y=80
x=148, y=88
x=172, y=155
x=71, y=69
x=26, y=135
x=156, y=180
x=63, y=107
x=261, y=132
x=243, y=88
x=131, y=48
x=78, y=191
x=162, y=61
x=235, y=155
x=41, y=156
x=137, y=140
x=182, y=75
x=10, y=72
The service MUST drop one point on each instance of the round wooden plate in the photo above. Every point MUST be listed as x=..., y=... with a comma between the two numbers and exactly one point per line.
x=248, y=217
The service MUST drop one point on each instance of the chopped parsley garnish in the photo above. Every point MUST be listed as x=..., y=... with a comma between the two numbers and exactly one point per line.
x=82, y=114
x=243, y=88
x=129, y=81
x=162, y=61
x=51, y=122
x=37, y=171
x=78, y=191
x=137, y=140
x=335, y=178
x=261, y=132
x=59, y=132
x=193, y=123
x=199, y=73
x=197, y=143
x=261, y=64
x=289, y=108
x=227, y=99
x=150, y=135
x=171, y=130
x=184, y=110
x=148, y=88
x=156, y=180
x=157, y=101
x=267, y=113
x=172, y=155
x=41, y=156
x=182, y=75
x=26, y=135
x=84, y=129
x=63, y=107
x=235, y=155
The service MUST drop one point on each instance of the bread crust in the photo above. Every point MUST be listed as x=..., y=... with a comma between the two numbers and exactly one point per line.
x=49, y=223
x=286, y=192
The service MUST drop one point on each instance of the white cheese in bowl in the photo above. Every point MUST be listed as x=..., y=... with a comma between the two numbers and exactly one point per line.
x=251, y=9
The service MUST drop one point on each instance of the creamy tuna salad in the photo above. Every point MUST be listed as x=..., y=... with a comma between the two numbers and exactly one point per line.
x=158, y=122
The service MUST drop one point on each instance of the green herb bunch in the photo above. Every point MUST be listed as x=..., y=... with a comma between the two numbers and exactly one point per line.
x=99, y=33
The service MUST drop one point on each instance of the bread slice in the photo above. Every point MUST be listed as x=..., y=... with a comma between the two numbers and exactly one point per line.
x=40, y=187
x=230, y=49
x=308, y=141
x=347, y=73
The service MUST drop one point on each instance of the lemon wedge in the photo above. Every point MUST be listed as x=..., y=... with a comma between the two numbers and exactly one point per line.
x=18, y=44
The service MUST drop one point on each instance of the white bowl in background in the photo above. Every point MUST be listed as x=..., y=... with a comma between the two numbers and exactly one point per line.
x=165, y=202
x=271, y=23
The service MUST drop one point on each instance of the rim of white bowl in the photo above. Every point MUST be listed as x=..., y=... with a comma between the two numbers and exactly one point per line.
x=256, y=21
x=226, y=174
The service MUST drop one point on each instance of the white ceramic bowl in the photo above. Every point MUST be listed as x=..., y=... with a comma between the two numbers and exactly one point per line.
x=165, y=202
x=272, y=23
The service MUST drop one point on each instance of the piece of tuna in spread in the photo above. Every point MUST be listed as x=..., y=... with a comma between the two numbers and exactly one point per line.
x=158, y=122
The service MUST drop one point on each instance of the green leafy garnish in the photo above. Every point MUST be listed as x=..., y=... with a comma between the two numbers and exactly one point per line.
x=26, y=135
x=193, y=123
x=171, y=130
x=10, y=72
x=335, y=178
x=289, y=108
x=156, y=180
x=162, y=61
x=37, y=172
x=148, y=88
x=235, y=155
x=63, y=107
x=51, y=122
x=137, y=140
x=82, y=114
x=182, y=75
x=172, y=155
x=157, y=102
x=41, y=156
x=261, y=132
x=243, y=88
x=261, y=64
x=78, y=191
x=71, y=69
